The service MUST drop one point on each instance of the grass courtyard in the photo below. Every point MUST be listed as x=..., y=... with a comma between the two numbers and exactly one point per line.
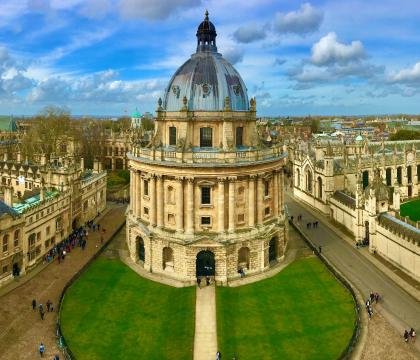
x=411, y=209
x=301, y=313
x=113, y=313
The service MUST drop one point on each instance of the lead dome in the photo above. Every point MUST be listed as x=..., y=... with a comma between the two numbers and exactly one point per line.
x=206, y=79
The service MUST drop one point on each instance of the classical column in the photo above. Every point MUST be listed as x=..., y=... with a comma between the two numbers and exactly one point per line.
x=276, y=193
x=133, y=179
x=231, y=226
x=221, y=204
x=159, y=195
x=260, y=200
x=190, y=206
x=180, y=205
x=281, y=191
x=153, y=200
x=138, y=195
x=251, y=201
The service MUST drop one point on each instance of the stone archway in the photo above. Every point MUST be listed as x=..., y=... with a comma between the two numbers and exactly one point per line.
x=140, y=249
x=205, y=264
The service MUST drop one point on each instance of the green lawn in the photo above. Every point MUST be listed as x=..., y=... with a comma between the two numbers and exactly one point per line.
x=301, y=313
x=411, y=209
x=113, y=313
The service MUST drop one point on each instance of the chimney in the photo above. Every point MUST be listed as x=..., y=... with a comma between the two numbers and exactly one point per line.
x=42, y=194
x=5, y=158
x=18, y=157
x=82, y=164
x=7, y=195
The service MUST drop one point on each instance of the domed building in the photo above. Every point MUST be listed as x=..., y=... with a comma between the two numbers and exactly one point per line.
x=206, y=195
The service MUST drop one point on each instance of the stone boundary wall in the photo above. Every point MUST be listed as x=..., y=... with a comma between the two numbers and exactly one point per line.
x=67, y=353
x=349, y=351
x=343, y=215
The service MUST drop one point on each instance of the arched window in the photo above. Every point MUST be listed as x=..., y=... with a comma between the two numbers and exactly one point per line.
x=5, y=243
x=272, y=250
x=388, y=176
x=170, y=197
x=243, y=258
x=399, y=175
x=241, y=192
x=16, y=238
x=167, y=258
x=409, y=174
x=297, y=178
x=308, y=180
x=365, y=178
x=320, y=187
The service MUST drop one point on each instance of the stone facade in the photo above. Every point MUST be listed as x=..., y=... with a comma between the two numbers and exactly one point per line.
x=41, y=204
x=205, y=189
x=360, y=186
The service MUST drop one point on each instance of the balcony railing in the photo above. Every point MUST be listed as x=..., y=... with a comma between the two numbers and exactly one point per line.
x=209, y=156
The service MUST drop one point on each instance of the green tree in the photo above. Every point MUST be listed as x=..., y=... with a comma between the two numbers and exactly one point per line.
x=405, y=135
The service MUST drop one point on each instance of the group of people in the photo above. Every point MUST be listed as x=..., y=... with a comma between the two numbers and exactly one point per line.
x=410, y=334
x=219, y=356
x=49, y=306
x=309, y=225
x=373, y=297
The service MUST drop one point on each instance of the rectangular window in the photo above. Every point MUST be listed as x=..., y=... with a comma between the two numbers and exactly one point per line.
x=241, y=218
x=47, y=243
x=172, y=135
x=205, y=195
x=205, y=220
x=267, y=211
x=146, y=211
x=239, y=136
x=4, y=269
x=5, y=244
x=146, y=187
x=206, y=137
x=38, y=236
x=48, y=230
x=266, y=188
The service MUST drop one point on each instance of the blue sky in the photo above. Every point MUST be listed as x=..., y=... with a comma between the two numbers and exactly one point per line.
x=296, y=57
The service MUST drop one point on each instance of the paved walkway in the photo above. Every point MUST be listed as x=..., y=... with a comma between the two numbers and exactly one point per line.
x=397, y=306
x=205, y=338
x=21, y=329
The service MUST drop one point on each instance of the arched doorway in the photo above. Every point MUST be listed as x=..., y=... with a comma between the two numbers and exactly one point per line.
x=205, y=263
x=140, y=249
x=272, y=250
x=167, y=258
x=243, y=258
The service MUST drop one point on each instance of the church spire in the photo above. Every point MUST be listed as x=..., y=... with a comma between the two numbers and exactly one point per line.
x=206, y=35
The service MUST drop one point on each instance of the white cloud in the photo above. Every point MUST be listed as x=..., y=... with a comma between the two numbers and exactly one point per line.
x=153, y=10
x=305, y=20
x=329, y=50
x=95, y=9
x=407, y=75
x=250, y=33
x=234, y=55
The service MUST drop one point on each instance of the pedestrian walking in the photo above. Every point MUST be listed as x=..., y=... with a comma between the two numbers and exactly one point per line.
x=413, y=335
x=42, y=314
x=406, y=336
x=33, y=304
x=41, y=349
x=320, y=249
x=99, y=226
x=49, y=303
x=218, y=356
x=56, y=357
x=198, y=282
x=207, y=281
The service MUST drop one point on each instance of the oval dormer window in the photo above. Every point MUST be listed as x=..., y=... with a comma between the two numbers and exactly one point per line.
x=176, y=91
x=237, y=89
x=206, y=89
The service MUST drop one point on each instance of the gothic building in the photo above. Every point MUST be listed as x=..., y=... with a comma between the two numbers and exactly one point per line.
x=206, y=192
